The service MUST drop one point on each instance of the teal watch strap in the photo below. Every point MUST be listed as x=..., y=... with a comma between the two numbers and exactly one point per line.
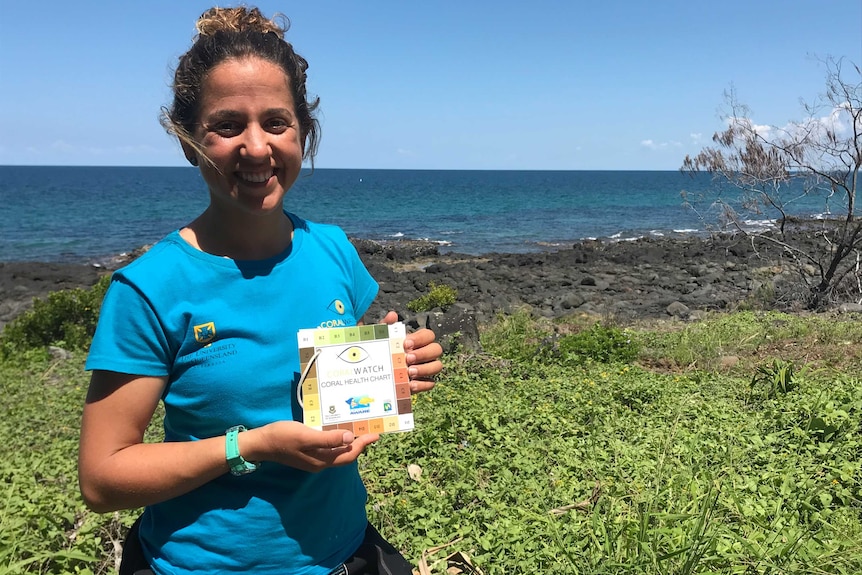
x=238, y=465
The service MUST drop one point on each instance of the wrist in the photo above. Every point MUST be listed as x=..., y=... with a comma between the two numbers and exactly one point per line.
x=234, y=454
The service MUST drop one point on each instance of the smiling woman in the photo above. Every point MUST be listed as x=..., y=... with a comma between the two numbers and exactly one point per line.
x=248, y=145
x=211, y=305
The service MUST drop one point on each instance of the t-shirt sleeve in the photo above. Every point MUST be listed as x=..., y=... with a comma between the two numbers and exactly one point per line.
x=129, y=337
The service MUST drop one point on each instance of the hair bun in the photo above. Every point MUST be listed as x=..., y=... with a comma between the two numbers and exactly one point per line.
x=239, y=19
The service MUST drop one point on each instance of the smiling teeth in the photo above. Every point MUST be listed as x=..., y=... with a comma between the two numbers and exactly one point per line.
x=255, y=177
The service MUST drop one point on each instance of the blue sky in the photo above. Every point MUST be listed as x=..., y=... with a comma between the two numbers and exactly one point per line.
x=433, y=85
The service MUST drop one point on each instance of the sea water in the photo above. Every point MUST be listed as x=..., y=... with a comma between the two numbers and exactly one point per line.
x=79, y=214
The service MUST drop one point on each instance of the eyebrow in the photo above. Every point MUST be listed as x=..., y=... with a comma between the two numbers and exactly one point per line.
x=235, y=115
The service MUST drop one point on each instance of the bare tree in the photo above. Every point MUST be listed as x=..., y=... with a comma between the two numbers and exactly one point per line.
x=771, y=167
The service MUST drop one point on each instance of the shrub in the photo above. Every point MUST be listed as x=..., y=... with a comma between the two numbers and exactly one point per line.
x=777, y=377
x=598, y=344
x=439, y=295
x=67, y=318
x=519, y=337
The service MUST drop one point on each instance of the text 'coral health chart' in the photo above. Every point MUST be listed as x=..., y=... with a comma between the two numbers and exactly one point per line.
x=355, y=378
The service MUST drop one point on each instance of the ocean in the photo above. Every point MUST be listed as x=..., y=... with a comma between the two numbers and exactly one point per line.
x=89, y=214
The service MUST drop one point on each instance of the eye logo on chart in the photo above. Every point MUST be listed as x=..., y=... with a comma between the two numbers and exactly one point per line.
x=353, y=354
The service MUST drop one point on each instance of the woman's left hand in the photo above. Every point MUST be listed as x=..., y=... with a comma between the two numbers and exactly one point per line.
x=423, y=356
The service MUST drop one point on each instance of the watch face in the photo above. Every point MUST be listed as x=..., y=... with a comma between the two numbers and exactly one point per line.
x=243, y=470
x=238, y=465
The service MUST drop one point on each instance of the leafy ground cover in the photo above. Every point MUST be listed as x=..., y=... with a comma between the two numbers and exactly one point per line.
x=565, y=447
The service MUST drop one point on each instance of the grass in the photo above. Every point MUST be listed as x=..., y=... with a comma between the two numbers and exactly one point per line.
x=537, y=460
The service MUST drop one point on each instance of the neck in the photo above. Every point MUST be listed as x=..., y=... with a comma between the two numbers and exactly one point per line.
x=240, y=238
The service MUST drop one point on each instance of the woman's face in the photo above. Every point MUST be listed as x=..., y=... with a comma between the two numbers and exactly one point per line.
x=249, y=131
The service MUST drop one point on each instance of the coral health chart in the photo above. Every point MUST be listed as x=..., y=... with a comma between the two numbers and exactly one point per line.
x=355, y=378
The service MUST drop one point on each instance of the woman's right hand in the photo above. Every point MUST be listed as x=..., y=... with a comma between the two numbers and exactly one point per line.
x=117, y=470
x=296, y=445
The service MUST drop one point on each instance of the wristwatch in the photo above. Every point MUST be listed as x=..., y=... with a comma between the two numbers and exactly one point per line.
x=238, y=465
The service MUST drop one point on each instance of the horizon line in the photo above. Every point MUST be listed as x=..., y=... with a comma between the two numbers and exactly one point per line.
x=309, y=169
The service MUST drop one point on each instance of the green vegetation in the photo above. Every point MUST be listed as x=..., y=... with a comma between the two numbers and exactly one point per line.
x=520, y=338
x=439, y=295
x=536, y=464
x=565, y=448
x=65, y=318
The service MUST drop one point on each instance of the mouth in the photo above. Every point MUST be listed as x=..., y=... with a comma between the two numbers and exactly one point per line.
x=256, y=177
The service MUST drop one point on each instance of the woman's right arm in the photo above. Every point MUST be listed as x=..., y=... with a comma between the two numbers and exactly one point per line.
x=117, y=470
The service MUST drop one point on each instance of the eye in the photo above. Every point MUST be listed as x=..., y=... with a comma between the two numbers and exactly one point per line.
x=277, y=125
x=226, y=129
x=353, y=354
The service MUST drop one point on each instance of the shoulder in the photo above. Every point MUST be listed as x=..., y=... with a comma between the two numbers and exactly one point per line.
x=166, y=259
x=317, y=229
x=322, y=236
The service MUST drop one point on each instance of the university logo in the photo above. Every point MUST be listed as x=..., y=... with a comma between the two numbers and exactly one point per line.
x=205, y=332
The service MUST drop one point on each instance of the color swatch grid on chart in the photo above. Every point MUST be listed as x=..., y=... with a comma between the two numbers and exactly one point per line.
x=356, y=378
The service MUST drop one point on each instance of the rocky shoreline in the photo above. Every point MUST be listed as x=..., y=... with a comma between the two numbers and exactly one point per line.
x=622, y=281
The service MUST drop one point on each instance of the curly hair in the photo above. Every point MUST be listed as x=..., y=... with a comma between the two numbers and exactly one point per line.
x=237, y=33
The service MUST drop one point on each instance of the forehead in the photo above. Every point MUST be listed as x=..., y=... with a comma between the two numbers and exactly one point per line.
x=245, y=83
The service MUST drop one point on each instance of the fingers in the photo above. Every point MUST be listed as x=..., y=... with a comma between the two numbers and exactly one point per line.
x=336, y=438
x=421, y=347
x=342, y=454
x=423, y=359
x=418, y=339
x=296, y=445
x=390, y=318
x=419, y=385
x=426, y=370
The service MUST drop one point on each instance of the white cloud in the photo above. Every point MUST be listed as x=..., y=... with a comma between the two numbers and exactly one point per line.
x=653, y=145
x=838, y=120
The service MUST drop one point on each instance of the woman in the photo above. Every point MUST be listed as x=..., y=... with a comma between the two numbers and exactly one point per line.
x=206, y=321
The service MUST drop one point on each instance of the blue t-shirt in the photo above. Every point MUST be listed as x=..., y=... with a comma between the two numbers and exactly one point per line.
x=223, y=332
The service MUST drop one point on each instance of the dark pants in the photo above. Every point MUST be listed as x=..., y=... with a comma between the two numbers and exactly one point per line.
x=375, y=556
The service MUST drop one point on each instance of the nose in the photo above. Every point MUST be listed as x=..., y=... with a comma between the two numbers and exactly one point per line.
x=256, y=143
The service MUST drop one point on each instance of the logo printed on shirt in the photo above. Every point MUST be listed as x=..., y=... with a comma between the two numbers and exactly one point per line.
x=338, y=307
x=205, y=332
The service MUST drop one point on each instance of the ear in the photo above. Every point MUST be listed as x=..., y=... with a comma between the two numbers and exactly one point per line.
x=190, y=154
